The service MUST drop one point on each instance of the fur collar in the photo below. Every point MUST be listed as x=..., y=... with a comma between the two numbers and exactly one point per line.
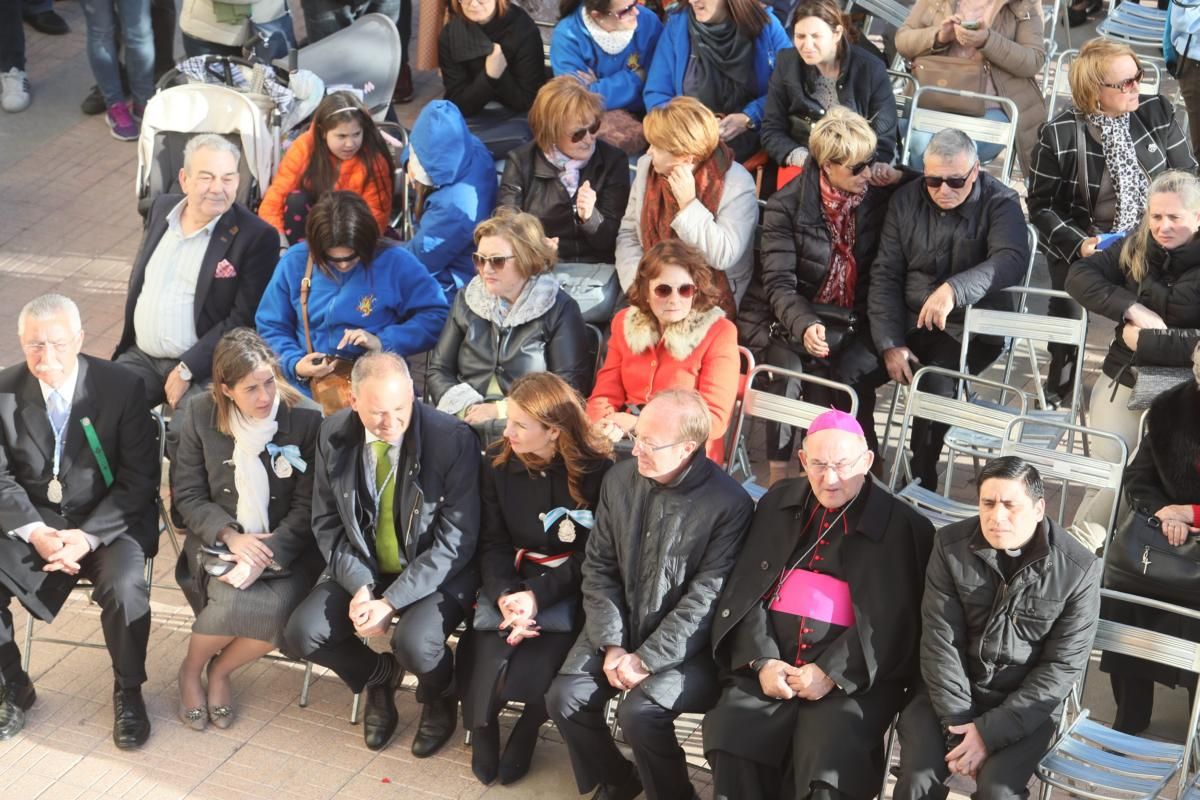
x=680, y=338
x=537, y=298
x=1175, y=441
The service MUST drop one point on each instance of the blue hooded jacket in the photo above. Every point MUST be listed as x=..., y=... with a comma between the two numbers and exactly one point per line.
x=665, y=78
x=464, y=191
x=573, y=49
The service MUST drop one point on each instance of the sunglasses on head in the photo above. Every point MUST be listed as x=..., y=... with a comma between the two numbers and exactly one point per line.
x=495, y=262
x=685, y=290
x=624, y=12
x=1128, y=85
x=857, y=169
x=577, y=136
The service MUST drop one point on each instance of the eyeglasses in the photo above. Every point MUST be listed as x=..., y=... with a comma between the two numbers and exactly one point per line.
x=860, y=166
x=1128, y=85
x=957, y=182
x=624, y=12
x=577, y=136
x=684, y=290
x=342, y=259
x=641, y=445
x=842, y=468
x=495, y=262
x=37, y=348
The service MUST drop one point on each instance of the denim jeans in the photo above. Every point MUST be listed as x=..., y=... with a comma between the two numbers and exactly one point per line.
x=138, y=41
x=12, y=36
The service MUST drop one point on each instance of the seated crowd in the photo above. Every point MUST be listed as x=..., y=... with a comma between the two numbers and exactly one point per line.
x=436, y=441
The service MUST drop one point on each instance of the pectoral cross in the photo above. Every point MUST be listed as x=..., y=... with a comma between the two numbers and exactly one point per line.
x=1145, y=559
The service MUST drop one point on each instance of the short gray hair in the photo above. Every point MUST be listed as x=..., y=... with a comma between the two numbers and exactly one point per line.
x=47, y=306
x=209, y=141
x=950, y=142
x=373, y=365
x=694, y=420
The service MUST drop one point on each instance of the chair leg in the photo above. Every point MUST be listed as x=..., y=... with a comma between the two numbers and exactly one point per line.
x=304, y=686
x=28, y=648
x=467, y=738
x=354, y=708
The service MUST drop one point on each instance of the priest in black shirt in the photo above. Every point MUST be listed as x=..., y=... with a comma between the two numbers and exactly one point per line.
x=818, y=628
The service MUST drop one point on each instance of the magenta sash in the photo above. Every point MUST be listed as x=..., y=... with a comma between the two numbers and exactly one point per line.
x=816, y=596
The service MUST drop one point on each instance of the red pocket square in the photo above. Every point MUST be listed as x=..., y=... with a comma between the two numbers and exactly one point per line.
x=225, y=270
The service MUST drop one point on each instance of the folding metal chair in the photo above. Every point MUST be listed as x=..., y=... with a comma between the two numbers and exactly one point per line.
x=887, y=11
x=739, y=457
x=761, y=404
x=1061, y=88
x=904, y=85
x=980, y=129
x=1135, y=25
x=402, y=207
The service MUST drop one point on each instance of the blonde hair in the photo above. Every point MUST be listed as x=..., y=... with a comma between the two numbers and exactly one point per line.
x=561, y=103
x=1173, y=181
x=683, y=127
x=525, y=234
x=841, y=137
x=1088, y=71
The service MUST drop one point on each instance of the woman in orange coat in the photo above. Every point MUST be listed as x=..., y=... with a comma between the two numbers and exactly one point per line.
x=673, y=336
x=343, y=150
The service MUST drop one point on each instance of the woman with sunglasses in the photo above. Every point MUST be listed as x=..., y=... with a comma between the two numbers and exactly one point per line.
x=673, y=335
x=820, y=235
x=689, y=187
x=1126, y=139
x=510, y=320
x=720, y=52
x=365, y=293
x=574, y=183
x=826, y=70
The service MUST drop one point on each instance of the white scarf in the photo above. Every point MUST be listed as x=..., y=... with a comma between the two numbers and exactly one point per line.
x=250, y=437
x=611, y=42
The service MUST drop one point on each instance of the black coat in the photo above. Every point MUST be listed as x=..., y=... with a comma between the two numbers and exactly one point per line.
x=1005, y=655
x=436, y=505
x=979, y=248
x=472, y=348
x=115, y=402
x=240, y=237
x=531, y=183
x=1166, y=469
x=656, y=562
x=1170, y=289
x=791, y=108
x=796, y=252
x=463, y=47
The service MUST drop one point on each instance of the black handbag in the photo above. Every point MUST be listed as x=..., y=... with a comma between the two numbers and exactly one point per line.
x=840, y=326
x=1142, y=562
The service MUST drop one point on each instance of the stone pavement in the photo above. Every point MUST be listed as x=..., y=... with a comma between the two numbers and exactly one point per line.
x=68, y=223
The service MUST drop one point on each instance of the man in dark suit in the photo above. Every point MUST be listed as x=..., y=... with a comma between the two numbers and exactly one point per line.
x=396, y=514
x=200, y=272
x=79, y=467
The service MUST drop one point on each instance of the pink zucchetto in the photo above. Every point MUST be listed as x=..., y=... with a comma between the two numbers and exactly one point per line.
x=834, y=420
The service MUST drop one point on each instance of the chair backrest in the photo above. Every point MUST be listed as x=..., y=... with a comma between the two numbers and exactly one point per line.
x=1160, y=648
x=1060, y=90
x=761, y=404
x=905, y=86
x=888, y=11
x=980, y=129
x=1135, y=25
x=952, y=411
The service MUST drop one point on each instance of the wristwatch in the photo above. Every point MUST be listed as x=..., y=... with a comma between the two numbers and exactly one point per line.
x=184, y=372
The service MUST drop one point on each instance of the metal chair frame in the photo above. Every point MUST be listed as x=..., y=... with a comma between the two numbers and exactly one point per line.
x=979, y=129
x=1060, y=88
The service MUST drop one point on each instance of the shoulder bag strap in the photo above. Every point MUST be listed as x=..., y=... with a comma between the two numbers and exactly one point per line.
x=1081, y=168
x=305, y=287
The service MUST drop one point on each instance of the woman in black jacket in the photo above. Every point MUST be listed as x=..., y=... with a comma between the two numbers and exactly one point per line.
x=577, y=185
x=537, y=502
x=825, y=70
x=1150, y=284
x=510, y=320
x=819, y=238
x=490, y=54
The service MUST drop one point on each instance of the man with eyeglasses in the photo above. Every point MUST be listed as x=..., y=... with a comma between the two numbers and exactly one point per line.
x=817, y=629
x=1009, y=613
x=669, y=525
x=79, y=470
x=201, y=271
x=955, y=239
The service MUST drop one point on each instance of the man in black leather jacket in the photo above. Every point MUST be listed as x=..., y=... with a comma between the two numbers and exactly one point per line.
x=1009, y=614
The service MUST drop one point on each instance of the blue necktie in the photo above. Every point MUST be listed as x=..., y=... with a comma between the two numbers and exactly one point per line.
x=56, y=406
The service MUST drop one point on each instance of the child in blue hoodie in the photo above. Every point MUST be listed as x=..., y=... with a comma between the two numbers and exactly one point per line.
x=607, y=45
x=457, y=167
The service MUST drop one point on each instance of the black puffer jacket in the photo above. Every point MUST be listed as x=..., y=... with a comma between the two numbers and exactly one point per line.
x=796, y=252
x=1001, y=654
x=531, y=184
x=656, y=562
x=464, y=46
x=543, y=334
x=1167, y=472
x=792, y=109
x=979, y=248
x=1170, y=289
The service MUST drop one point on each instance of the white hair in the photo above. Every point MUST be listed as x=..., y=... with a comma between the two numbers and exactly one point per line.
x=48, y=306
x=209, y=141
x=950, y=142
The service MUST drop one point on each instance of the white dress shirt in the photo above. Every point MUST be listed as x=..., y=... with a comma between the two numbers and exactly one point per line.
x=164, y=317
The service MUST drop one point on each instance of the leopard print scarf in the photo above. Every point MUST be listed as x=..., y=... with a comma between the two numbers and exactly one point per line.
x=1129, y=180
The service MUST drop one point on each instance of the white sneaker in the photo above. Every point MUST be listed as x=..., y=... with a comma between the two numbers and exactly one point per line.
x=14, y=90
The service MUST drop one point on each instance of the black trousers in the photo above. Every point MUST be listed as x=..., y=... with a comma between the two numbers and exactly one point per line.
x=576, y=704
x=1061, y=376
x=320, y=631
x=118, y=572
x=940, y=349
x=736, y=778
x=1004, y=775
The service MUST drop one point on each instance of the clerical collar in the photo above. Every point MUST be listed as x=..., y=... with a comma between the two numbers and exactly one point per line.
x=1013, y=552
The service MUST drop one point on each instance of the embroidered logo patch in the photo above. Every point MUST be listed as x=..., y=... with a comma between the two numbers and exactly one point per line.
x=366, y=305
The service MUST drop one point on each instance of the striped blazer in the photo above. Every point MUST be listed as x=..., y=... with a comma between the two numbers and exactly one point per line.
x=1054, y=200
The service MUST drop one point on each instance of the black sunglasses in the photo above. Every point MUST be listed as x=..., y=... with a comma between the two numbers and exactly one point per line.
x=957, y=182
x=860, y=166
x=577, y=136
x=495, y=262
x=341, y=259
x=685, y=290
x=624, y=12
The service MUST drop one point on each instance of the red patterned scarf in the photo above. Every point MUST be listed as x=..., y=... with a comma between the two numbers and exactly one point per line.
x=840, y=281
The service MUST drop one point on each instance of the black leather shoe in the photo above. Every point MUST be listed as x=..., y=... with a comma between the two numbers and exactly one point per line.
x=16, y=698
x=48, y=22
x=93, y=104
x=380, y=717
x=131, y=723
x=404, y=86
x=630, y=788
x=438, y=721
x=485, y=753
x=518, y=753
